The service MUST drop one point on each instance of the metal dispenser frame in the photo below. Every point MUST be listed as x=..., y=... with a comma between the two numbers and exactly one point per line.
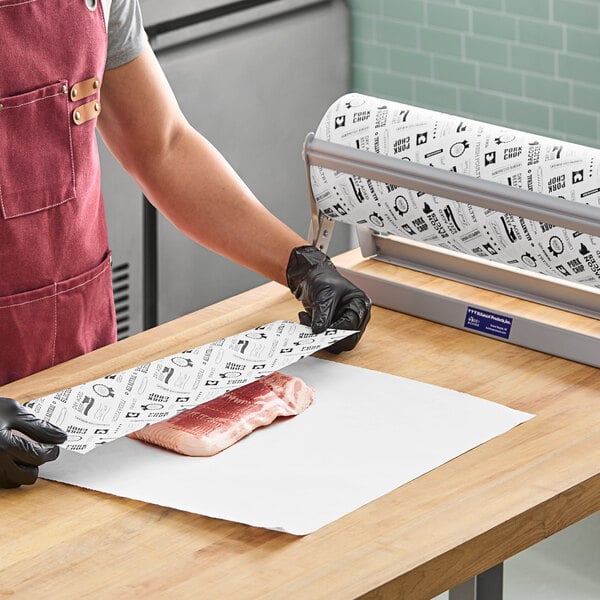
x=452, y=265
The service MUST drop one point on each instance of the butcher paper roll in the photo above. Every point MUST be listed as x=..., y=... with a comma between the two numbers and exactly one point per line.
x=506, y=156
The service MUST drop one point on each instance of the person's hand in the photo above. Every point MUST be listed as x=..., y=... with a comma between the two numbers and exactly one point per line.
x=329, y=299
x=20, y=457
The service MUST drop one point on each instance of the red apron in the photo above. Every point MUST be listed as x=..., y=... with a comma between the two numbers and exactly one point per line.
x=55, y=278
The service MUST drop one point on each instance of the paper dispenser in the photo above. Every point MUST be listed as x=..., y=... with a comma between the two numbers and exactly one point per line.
x=337, y=162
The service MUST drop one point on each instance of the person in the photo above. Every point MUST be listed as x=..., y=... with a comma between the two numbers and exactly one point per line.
x=67, y=67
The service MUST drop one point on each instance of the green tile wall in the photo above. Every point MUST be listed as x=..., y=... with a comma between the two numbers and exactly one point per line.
x=529, y=64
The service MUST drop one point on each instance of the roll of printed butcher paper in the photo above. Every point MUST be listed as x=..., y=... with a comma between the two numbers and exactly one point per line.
x=506, y=156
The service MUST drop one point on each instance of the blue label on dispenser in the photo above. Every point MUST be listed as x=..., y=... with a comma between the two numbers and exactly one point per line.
x=488, y=322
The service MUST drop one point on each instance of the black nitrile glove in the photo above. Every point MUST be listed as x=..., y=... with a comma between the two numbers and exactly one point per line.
x=330, y=300
x=20, y=457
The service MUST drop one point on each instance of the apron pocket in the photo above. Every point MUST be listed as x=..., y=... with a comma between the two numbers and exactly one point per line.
x=37, y=154
x=27, y=331
x=49, y=325
x=85, y=313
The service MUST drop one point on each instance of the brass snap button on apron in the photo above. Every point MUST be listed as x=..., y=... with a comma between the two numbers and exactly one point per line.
x=91, y=4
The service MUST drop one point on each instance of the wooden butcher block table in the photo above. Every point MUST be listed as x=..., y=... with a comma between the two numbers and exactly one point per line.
x=459, y=520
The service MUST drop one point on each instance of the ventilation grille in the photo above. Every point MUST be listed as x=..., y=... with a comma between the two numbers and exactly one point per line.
x=120, y=281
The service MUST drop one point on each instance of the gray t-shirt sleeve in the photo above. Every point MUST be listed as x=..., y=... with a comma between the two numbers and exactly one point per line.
x=126, y=35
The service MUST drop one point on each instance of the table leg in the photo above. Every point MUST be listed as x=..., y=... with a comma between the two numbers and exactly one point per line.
x=485, y=586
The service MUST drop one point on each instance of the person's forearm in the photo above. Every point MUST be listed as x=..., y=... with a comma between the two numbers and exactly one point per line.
x=199, y=192
x=183, y=175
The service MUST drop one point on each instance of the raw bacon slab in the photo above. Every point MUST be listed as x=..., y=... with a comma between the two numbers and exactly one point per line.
x=216, y=425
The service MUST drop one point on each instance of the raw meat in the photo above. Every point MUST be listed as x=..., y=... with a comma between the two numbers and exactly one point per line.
x=216, y=425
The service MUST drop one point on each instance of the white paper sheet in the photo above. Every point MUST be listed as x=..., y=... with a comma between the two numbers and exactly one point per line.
x=103, y=410
x=365, y=434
